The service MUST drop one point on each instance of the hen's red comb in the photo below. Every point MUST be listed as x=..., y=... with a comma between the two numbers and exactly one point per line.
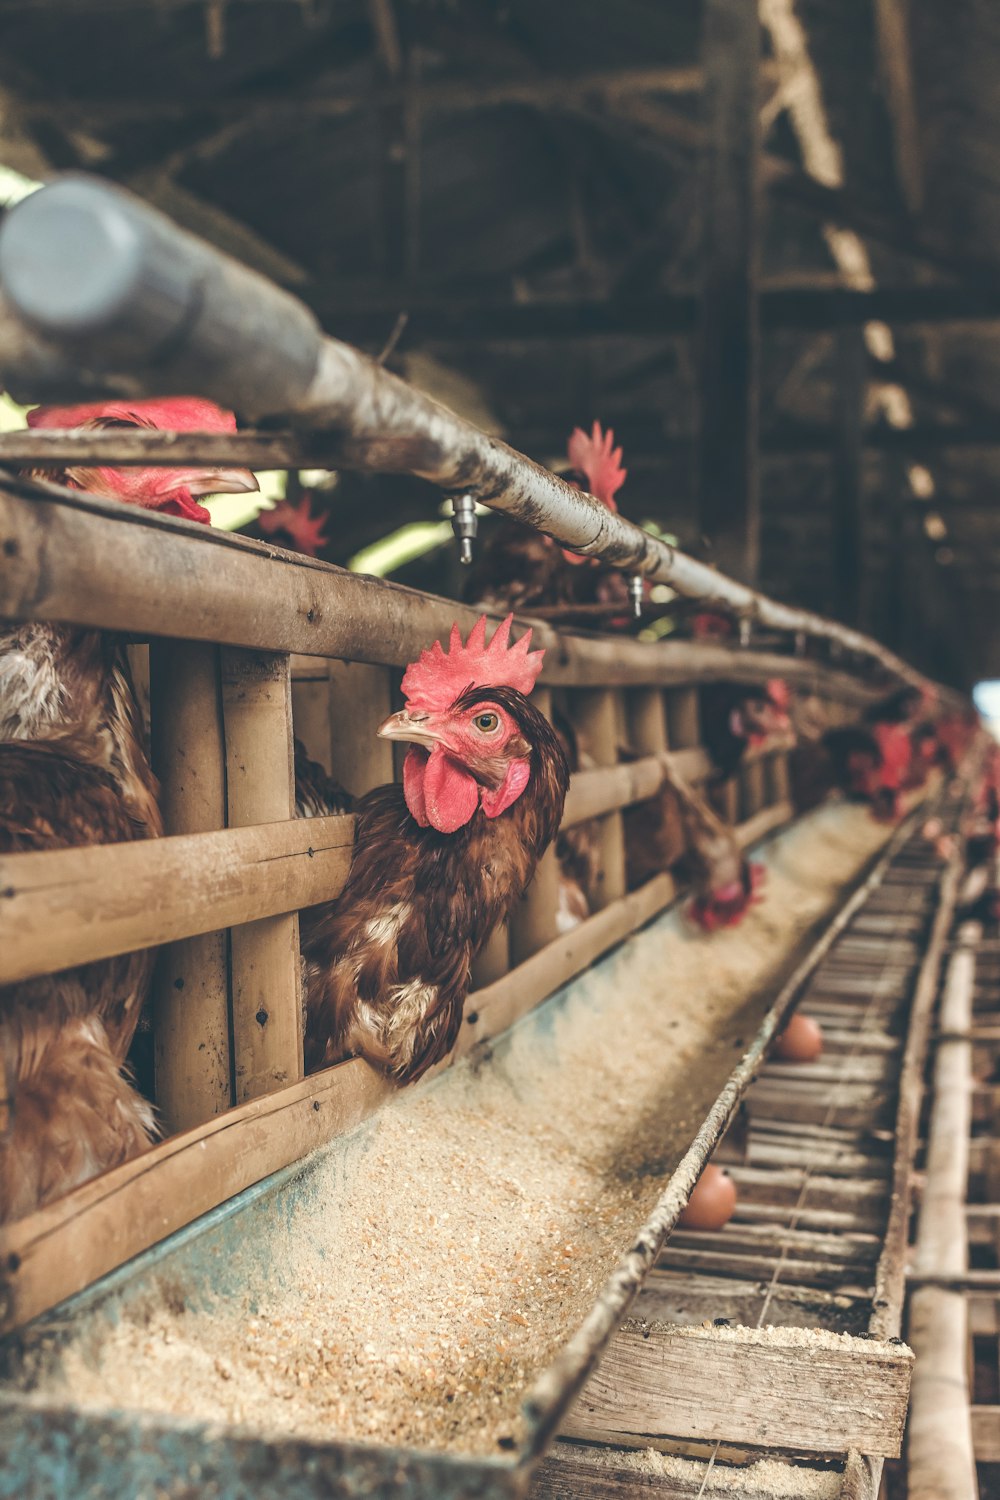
x=779, y=693
x=598, y=458
x=439, y=677
x=171, y=413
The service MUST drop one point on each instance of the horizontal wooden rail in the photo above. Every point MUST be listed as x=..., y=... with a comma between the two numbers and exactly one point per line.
x=68, y=1245
x=163, y=576
x=71, y=906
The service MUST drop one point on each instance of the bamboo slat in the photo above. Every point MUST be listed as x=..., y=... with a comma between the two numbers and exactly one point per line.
x=646, y=721
x=266, y=967
x=596, y=714
x=360, y=699
x=532, y=922
x=753, y=788
x=940, y=1448
x=311, y=708
x=71, y=906
x=684, y=717
x=191, y=983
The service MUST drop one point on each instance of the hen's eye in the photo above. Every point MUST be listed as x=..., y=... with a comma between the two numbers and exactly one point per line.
x=486, y=723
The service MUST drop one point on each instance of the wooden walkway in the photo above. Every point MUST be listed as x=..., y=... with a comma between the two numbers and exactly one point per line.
x=765, y=1359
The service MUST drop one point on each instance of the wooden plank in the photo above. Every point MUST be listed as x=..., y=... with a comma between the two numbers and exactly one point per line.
x=360, y=699
x=596, y=715
x=683, y=718
x=646, y=722
x=492, y=961
x=115, y=899
x=532, y=921
x=191, y=984
x=311, y=713
x=849, y=558
x=71, y=906
x=167, y=576
x=773, y=1387
x=986, y=1433
x=941, y=1461
x=779, y=784
x=753, y=788
x=490, y=1011
x=730, y=357
x=266, y=963
x=572, y=1472
x=898, y=85
x=675, y=1296
x=604, y=789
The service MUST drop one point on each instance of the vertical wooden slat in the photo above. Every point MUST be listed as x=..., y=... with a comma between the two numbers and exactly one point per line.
x=360, y=698
x=190, y=987
x=493, y=960
x=728, y=796
x=848, y=498
x=266, y=965
x=533, y=920
x=778, y=781
x=753, y=789
x=683, y=718
x=730, y=512
x=646, y=717
x=311, y=707
x=597, y=718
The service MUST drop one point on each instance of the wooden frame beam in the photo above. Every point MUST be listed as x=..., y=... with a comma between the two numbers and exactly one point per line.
x=339, y=99
x=729, y=506
x=849, y=561
x=892, y=32
x=761, y=1386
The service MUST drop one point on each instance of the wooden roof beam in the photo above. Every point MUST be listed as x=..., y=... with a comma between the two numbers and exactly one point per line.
x=896, y=72
x=446, y=96
x=440, y=316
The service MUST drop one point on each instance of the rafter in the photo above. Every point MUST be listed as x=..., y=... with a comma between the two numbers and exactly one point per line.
x=896, y=71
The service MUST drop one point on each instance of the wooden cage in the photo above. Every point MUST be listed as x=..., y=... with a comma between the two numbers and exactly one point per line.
x=248, y=644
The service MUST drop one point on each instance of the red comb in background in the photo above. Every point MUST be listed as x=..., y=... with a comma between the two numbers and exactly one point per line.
x=598, y=458
x=779, y=693
x=896, y=750
x=169, y=413
x=726, y=906
x=307, y=531
x=438, y=677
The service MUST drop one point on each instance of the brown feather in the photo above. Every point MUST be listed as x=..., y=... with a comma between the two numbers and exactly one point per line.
x=82, y=777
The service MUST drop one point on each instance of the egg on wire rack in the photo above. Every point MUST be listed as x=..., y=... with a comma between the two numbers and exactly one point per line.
x=801, y=1040
x=712, y=1201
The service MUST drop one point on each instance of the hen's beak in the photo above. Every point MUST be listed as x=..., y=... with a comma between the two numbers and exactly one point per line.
x=201, y=482
x=414, y=727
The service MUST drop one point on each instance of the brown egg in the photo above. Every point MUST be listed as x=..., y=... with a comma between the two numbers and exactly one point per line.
x=801, y=1040
x=712, y=1202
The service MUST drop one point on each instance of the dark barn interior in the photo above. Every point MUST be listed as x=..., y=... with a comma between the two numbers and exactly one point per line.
x=433, y=1068
x=547, y=191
